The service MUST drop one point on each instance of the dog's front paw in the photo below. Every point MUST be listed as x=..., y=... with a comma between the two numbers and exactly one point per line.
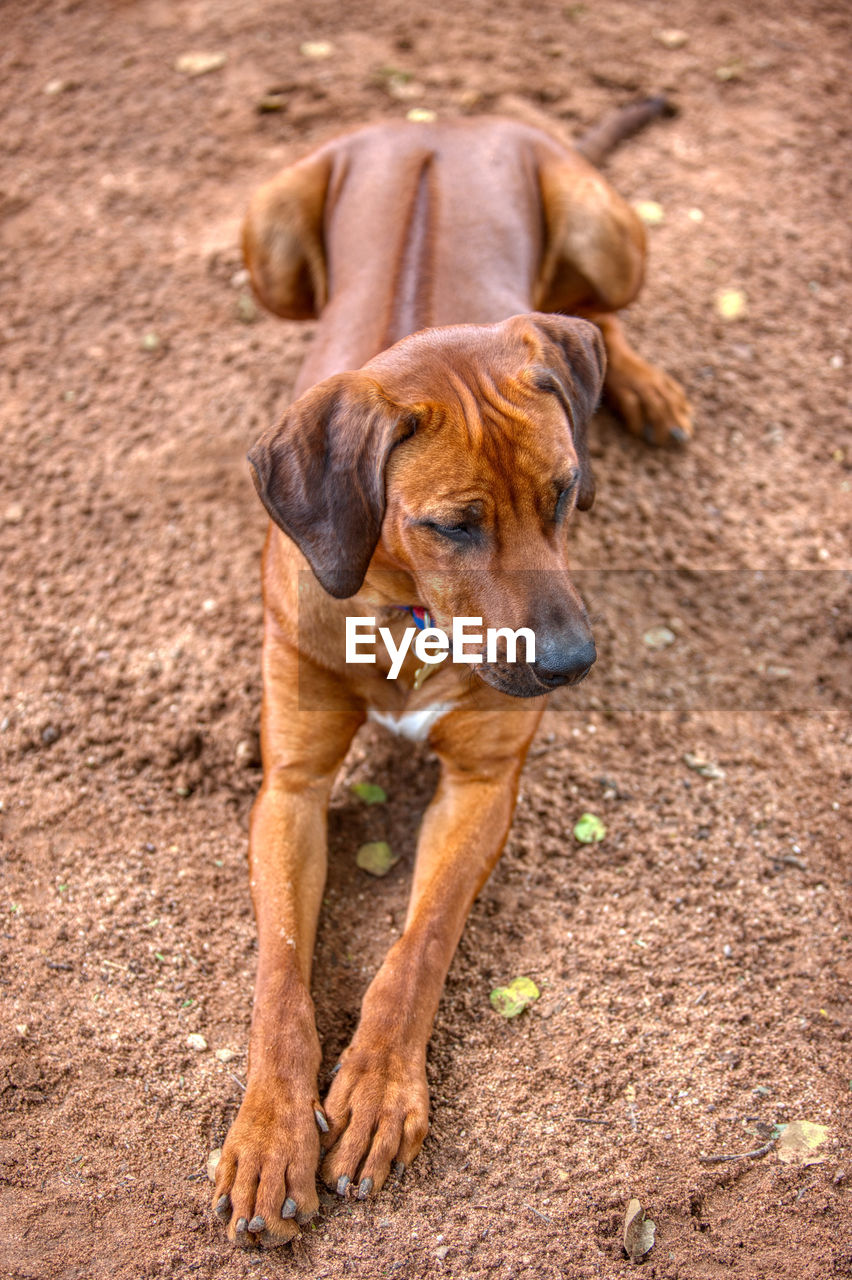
x=653, y=405
x=266, y=1177
x=378, y=1113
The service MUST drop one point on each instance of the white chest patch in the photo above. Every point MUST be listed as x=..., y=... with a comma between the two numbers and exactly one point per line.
x=412, y=724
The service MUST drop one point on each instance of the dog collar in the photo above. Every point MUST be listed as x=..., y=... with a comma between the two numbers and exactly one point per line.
x=422, y=619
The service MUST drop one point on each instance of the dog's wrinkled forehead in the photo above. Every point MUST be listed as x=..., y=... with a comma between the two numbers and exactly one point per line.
x=517, y=397
x=446, y=365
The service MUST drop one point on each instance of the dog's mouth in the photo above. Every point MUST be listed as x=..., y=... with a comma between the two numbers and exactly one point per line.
x=521, y=680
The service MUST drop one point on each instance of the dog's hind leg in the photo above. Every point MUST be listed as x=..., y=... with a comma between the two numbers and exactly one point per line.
x=593, y=266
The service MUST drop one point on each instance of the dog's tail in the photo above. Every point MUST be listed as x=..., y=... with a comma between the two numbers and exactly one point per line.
x=597, y=142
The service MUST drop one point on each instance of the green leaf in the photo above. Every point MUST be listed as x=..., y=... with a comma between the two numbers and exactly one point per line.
x=369, y=792
x=512, y=1000
x=589, y=829
x=377, y=858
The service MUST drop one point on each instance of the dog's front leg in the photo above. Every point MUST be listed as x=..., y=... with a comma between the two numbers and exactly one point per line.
x=378, y=1105
x=267, y=1174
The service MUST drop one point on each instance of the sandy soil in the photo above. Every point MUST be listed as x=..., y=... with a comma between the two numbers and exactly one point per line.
x=694, y=966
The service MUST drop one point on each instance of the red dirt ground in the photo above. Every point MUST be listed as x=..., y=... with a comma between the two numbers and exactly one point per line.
x=695, y=966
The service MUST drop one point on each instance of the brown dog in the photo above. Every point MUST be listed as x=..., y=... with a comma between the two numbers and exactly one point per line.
x=440, y=476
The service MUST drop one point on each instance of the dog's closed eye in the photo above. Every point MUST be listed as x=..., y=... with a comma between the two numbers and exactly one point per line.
x=462, y=533
x=566, y=494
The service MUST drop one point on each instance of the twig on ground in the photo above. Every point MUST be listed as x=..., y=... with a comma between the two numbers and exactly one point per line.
x=237, y=1080
x=537, y=1213
x=589, y=1120
x=787, y=859
x=741, y=1155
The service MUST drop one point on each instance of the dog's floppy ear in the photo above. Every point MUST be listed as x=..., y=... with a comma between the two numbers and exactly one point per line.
x=320, y=473
x=575, y=364
x=283, y=244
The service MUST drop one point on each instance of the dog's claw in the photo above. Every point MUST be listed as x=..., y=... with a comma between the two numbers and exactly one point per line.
x=678, y=435
x=335, y=1068
x=223, y=1204
x=242, y=1226
x=322, y=1123
x=257, y=1224
x=398, y=1168
x=342, y=1183
x=365, y=1188
x=288, y=1208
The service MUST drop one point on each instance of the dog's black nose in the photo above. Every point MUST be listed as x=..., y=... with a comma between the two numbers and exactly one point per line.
x=564, y=660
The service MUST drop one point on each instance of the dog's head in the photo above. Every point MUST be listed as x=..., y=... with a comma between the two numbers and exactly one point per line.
x=458, y=456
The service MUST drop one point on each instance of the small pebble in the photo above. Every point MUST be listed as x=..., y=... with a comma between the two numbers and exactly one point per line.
x=195, y=1041
x=442, y=1251
x=226, y=1055
x=671, y=37
x=14, y=513
x=49, y=735
x=659, y=637
x=150, y=341
x=403, y=89
x=271, y=102
x=730, y=71
x=651, y=213
x=421, y=115
x=730, y=303
x=247, y=753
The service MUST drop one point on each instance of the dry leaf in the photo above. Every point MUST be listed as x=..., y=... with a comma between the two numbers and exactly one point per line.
x=799, y=1140
x=638, y=1232
x=706, y=768
x=198, y=64
x=213, y=1163
x=316, y=49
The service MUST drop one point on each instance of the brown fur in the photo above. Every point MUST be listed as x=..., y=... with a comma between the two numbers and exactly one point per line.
x=443, y=473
